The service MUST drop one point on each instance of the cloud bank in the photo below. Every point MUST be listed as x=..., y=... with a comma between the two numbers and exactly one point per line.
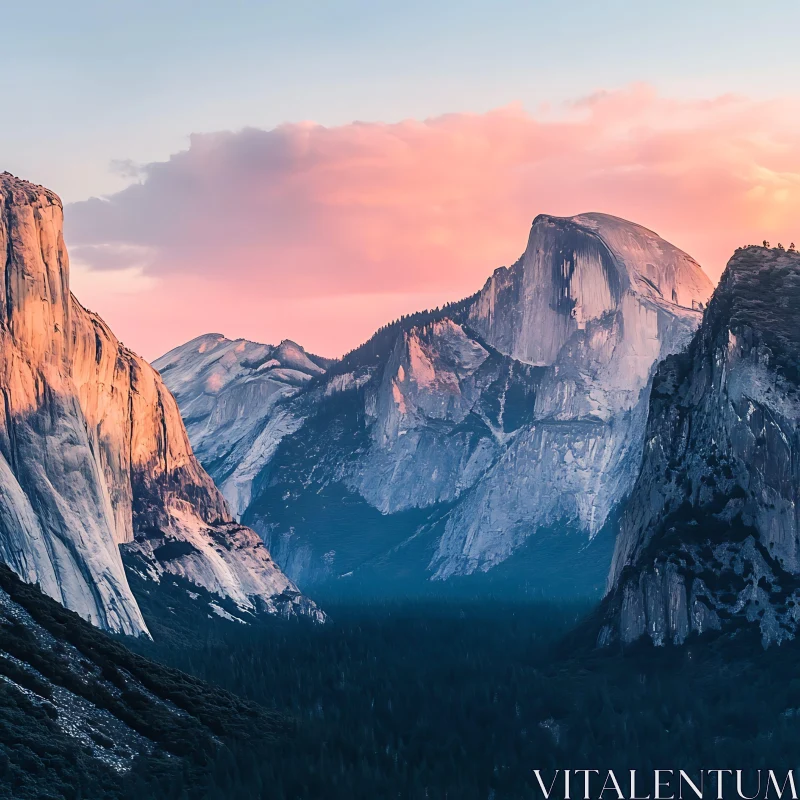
x=322, y=234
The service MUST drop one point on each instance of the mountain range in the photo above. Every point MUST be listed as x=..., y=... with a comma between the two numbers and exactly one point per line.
x=587, y=407
x=496, y=435
x=593, y=420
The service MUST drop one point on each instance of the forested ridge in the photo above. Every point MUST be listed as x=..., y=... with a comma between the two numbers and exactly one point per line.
x=81, y=716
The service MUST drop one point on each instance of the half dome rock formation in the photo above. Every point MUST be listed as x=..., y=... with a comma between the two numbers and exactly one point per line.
x=93, y=452
x=710, y=537
x=456, y=438
x=574, y=272
x=597, y=302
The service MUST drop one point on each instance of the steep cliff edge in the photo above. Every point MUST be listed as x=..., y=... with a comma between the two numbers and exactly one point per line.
x=452, y=437
x=93, y=452
x=710, y=536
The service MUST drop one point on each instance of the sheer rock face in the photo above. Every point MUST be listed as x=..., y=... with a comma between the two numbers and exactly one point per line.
x=711, y=534
x=575, y=271
x=93, y=452
x=520, y=409
x=597, y=302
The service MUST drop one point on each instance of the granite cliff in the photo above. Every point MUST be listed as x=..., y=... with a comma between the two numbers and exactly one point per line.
x=709, y=539
x=93, y=452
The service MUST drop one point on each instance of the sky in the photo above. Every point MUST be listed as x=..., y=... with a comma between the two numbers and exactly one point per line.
x=311, y=170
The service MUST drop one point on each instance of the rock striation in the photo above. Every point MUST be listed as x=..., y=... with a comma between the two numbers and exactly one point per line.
x=710, y=537
x=518, y=411
x=93, y=451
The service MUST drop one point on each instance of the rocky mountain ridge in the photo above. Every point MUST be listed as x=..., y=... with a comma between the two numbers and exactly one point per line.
x=93, y=452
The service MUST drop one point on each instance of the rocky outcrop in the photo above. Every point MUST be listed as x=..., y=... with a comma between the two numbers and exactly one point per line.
x=93, y=452
x=519, y=410
x=710, y=537
x=576, y=271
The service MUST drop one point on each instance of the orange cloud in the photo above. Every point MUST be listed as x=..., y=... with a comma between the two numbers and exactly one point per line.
x=321, y=234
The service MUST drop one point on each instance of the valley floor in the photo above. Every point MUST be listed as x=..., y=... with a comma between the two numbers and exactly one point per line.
x=463, y=699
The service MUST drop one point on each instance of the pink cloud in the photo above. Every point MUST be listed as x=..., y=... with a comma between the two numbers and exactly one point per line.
x=321, y=234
